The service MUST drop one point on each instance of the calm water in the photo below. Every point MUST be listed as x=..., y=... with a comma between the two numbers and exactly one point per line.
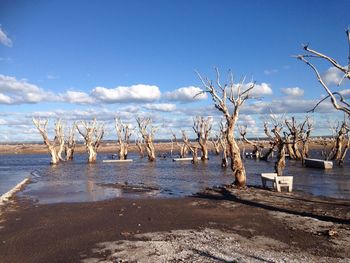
x=77, y=181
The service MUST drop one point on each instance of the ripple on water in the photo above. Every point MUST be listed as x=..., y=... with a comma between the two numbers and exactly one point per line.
x=77, y=181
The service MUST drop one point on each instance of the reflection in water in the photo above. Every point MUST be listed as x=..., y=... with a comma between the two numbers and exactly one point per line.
x=78, y=181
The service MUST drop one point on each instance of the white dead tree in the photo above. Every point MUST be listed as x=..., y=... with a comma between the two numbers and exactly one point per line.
x=147, y=131
x=92, y=133
x=216, y=143
x=59, y=131
x=337, y=98
x=70, y=142
x=202, y=127
x=139, y=144
x=297, y=138
x=235, y=95
x=52, y=145
x=193, y=148
x=277, y=140
x=340, y=143
x=257, y=147
x=223, y=144
x=183, y=147
x=124, y=132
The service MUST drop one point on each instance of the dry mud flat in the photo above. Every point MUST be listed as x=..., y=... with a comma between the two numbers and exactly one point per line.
x=218, y=225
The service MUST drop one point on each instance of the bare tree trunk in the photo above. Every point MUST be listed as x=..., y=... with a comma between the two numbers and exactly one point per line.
x=189, y=145
x=51, y=146
x=92, y=135
x=290, y=149
x=140, y=147
x=256, y=147
x=235, y=154
x=123, y=134
x=223, y=143
x=202, y=128
x=281, y=160
x=147, y=131
x=70, y=143
x=346, y=147
x=236, y=95
x=216, y=147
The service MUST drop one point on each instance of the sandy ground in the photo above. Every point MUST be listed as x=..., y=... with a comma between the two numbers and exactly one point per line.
x=218, y=225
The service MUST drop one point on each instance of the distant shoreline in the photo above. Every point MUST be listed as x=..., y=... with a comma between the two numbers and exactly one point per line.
x=110, y=147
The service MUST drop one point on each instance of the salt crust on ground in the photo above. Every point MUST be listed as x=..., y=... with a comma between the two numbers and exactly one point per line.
x=207, y=245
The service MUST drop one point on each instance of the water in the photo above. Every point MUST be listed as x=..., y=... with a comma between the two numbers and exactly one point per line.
x=78, y=181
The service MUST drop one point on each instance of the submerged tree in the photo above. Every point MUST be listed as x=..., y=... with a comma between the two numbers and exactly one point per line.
x=340, y=142
x=298, y=137
x=277, y=141
x=124, y=132
x=147, y=131
x=202, y=127
x=235, y=95
x=223, y=144
x=216, y=143
x=183, y=147
x=52, y=145
x=193, y=148
x=92, y=133
x=70, y=143
x=257, y=147
x=139, y=144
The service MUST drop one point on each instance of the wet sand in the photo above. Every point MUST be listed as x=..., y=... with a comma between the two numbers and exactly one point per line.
x=218, y=225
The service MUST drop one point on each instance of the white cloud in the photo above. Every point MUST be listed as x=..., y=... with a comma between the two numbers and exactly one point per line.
x=77, y=97
x=270, y=71
x=4, y=99
x=345, y=93
x=3, y=122
x=4, y=39
x=259, y=89
x=185, y=94
x=13, y=91
x=333, y=76
x=166, y=107
x=293, y=92
x=134, y=93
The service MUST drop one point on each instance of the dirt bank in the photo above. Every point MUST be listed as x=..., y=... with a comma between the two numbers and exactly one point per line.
x=219, y=225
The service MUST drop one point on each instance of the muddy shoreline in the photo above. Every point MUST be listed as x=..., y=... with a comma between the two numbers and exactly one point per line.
x=218, y=225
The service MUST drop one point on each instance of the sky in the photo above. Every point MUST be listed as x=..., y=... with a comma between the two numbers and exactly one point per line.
x=79, y=60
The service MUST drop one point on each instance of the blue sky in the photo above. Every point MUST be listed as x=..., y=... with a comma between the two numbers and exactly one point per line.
x=70, y=59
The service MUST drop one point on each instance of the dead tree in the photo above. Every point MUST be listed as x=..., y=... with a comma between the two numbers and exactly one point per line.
x=59, y=131
x=216, y=144
x=139, y=143
x=223, y=144
x=123, y=133
x=341, y=143
x=235, y=95
x=52, y=146
x=279, y=142
x=256, y=146
x=147, y=131
x=92, y=133
x=202, y=127
x=183, y=147
x=305, y=138
x=70, y=143
x=193, y=148
x=337, y=99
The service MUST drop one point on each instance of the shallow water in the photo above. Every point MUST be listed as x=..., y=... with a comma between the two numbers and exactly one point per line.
x=77, y=181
